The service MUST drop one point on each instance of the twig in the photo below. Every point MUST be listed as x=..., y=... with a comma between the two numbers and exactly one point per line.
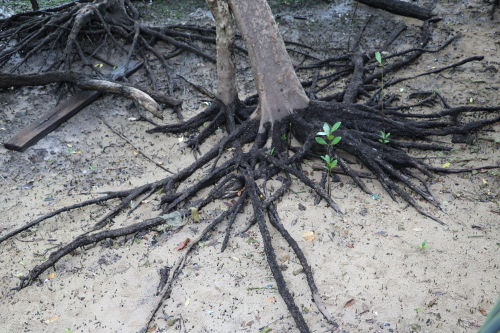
x=303, y=53
x=358, y=39
x=178, y=266
x=393, y=36
x=113, y=195
x=460, y=63
x=138, y=150
x=350, y=30
x=199, y=88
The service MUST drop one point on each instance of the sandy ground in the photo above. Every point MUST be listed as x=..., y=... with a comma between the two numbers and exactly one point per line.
x=367, y=268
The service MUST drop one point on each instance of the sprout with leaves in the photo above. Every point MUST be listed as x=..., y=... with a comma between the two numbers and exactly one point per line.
x=330, y=162
x=384, y=137
x=378, y=56
x=423, y=246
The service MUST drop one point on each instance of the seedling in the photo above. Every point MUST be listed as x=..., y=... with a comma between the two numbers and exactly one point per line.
x=378, y=56
x=384, y=137
x=423, y=246
x=330, y=163
x=332, y=140
x=271, y=152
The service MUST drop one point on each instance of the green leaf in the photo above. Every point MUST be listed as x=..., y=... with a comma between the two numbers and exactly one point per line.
x=195, y=214
x=321, y=141
x=326, y=128
x=336, y=140
x=378, y=56
x=335, y=126
x=322, y=133
x=387, y=135
x=326, y=158
x=330, y=137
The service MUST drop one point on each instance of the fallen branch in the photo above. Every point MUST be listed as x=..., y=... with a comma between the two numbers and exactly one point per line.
x=145, y=97
x=400, y=8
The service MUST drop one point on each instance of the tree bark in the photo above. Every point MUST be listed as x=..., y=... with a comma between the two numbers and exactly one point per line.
x=279, y=89
x=226, y=63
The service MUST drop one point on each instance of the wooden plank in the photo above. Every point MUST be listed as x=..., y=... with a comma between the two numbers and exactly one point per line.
x=31, y=134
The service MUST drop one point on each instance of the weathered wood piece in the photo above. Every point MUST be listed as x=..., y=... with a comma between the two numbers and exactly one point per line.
x=62, y=112
x=400, y=8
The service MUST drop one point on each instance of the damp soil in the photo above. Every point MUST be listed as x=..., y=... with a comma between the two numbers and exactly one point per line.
x=370, y=273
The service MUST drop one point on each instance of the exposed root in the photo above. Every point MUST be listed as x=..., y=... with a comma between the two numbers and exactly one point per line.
x=242, y=174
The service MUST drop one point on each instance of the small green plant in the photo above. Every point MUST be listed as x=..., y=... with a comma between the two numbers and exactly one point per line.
x=283, y=137
x=378, y=56
x=423, y=246
x=330, y=141
x=384, y=137
x=330, y=162
x=68, y=330
x=271, y=152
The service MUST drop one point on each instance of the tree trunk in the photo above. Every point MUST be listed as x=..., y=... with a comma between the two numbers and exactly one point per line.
x=34, y=5
x=280, y=91
x=226, y=63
